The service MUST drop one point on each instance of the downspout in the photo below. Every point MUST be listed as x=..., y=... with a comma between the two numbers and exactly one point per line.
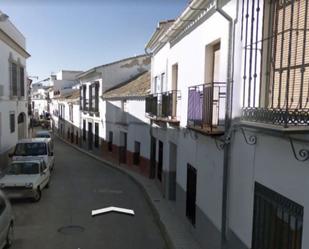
x=151, y=122
x=228, y=120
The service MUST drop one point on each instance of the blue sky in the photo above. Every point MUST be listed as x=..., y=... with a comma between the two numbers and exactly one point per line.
x=78, y=35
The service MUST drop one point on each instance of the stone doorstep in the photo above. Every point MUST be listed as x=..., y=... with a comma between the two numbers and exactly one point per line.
x=150, y=194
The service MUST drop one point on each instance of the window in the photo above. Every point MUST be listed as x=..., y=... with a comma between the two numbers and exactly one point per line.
x=137, y=153
x=96, y=135
x=71, y=112
x=276, y=60
x=110, y=141
x=30, y=149
x=12, y=122
x=22, y=81
x=14, y=79
x=81, y=106
x=90, y=98
x=84, y=98
x=84, y=130
x=163, y=82
x=23, y=169
x=96, y=97
x=155, y=87
x=277, y=221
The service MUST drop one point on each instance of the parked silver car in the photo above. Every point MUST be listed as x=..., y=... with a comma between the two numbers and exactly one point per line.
x=6, y=222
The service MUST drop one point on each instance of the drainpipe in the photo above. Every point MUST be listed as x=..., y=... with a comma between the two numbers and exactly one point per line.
x=151, y=122
x=228, y=120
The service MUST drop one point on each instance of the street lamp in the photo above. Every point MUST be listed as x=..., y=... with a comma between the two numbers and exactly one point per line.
x=3, y=17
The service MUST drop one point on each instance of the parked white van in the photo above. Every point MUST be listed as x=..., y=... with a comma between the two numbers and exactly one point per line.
x=35, y=147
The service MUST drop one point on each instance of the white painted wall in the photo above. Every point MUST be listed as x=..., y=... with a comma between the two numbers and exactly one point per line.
x=8, y=139
x=138, y=127
x=9, y=28
x=201, y=151
x=120, y=72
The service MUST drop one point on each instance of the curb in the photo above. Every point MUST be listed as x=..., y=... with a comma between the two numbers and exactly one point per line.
x=148, y=198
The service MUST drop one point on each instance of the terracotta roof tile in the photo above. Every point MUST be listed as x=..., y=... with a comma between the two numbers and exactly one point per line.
x=136, y=87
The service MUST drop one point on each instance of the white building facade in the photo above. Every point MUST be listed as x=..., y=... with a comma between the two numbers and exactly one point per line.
x=13, y=87
x=229, y=121
x=64, y=86
x=127, y=127
x=95, y=134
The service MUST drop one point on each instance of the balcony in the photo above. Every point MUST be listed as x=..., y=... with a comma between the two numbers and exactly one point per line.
x=87, y=108
x=275, y=80
x=206, y=108
x=162, y=107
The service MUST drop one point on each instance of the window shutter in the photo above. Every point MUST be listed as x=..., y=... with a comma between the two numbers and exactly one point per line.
x=291, y=56
x=11, y=80
x=22, y=81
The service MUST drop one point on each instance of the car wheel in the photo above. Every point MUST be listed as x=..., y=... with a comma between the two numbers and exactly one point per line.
x=37, y=195
x=9, y=236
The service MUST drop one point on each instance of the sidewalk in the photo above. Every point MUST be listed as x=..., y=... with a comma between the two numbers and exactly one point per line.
x=175, y=231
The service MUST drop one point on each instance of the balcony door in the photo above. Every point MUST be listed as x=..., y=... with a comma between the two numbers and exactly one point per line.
x=174, y=89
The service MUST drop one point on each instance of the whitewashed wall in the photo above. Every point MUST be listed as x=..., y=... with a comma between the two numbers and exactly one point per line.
x=8, y=139
x=201, y=151
x=138, y=127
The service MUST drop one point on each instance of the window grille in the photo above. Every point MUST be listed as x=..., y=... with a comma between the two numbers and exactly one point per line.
x=276, y=61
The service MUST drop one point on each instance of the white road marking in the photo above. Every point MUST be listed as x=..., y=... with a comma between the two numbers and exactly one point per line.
x=112, y=209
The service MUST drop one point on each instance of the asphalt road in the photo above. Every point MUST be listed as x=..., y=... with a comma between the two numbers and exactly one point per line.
x=80, y=184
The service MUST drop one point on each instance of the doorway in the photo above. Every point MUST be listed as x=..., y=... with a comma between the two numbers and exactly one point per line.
x=172, y=171
x=191, y=193
x=160, y=161
x=123, y=148
x=153, y=152
x=90, y=136
x=22, y=126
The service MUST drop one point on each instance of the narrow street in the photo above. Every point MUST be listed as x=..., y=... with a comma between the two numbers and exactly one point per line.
x=80, y=184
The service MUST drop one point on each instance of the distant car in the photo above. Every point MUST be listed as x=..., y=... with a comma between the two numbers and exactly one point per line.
x=43, y=134
x=6, y=222
x=35, y=147
x=25, y=179
x=45, y=123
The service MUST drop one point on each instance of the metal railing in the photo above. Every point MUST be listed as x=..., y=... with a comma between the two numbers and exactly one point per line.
x=275, y=88
x=206, y=105
x=163, y=105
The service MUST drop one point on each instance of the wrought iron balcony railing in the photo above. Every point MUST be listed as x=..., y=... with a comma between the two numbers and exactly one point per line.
x=206, y=107
x=163, y=106
x=275, y=79
x=277, y=116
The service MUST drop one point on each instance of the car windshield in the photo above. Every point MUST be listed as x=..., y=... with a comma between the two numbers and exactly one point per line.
x=23, y=169
x=44, y=135
x=30, y=149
